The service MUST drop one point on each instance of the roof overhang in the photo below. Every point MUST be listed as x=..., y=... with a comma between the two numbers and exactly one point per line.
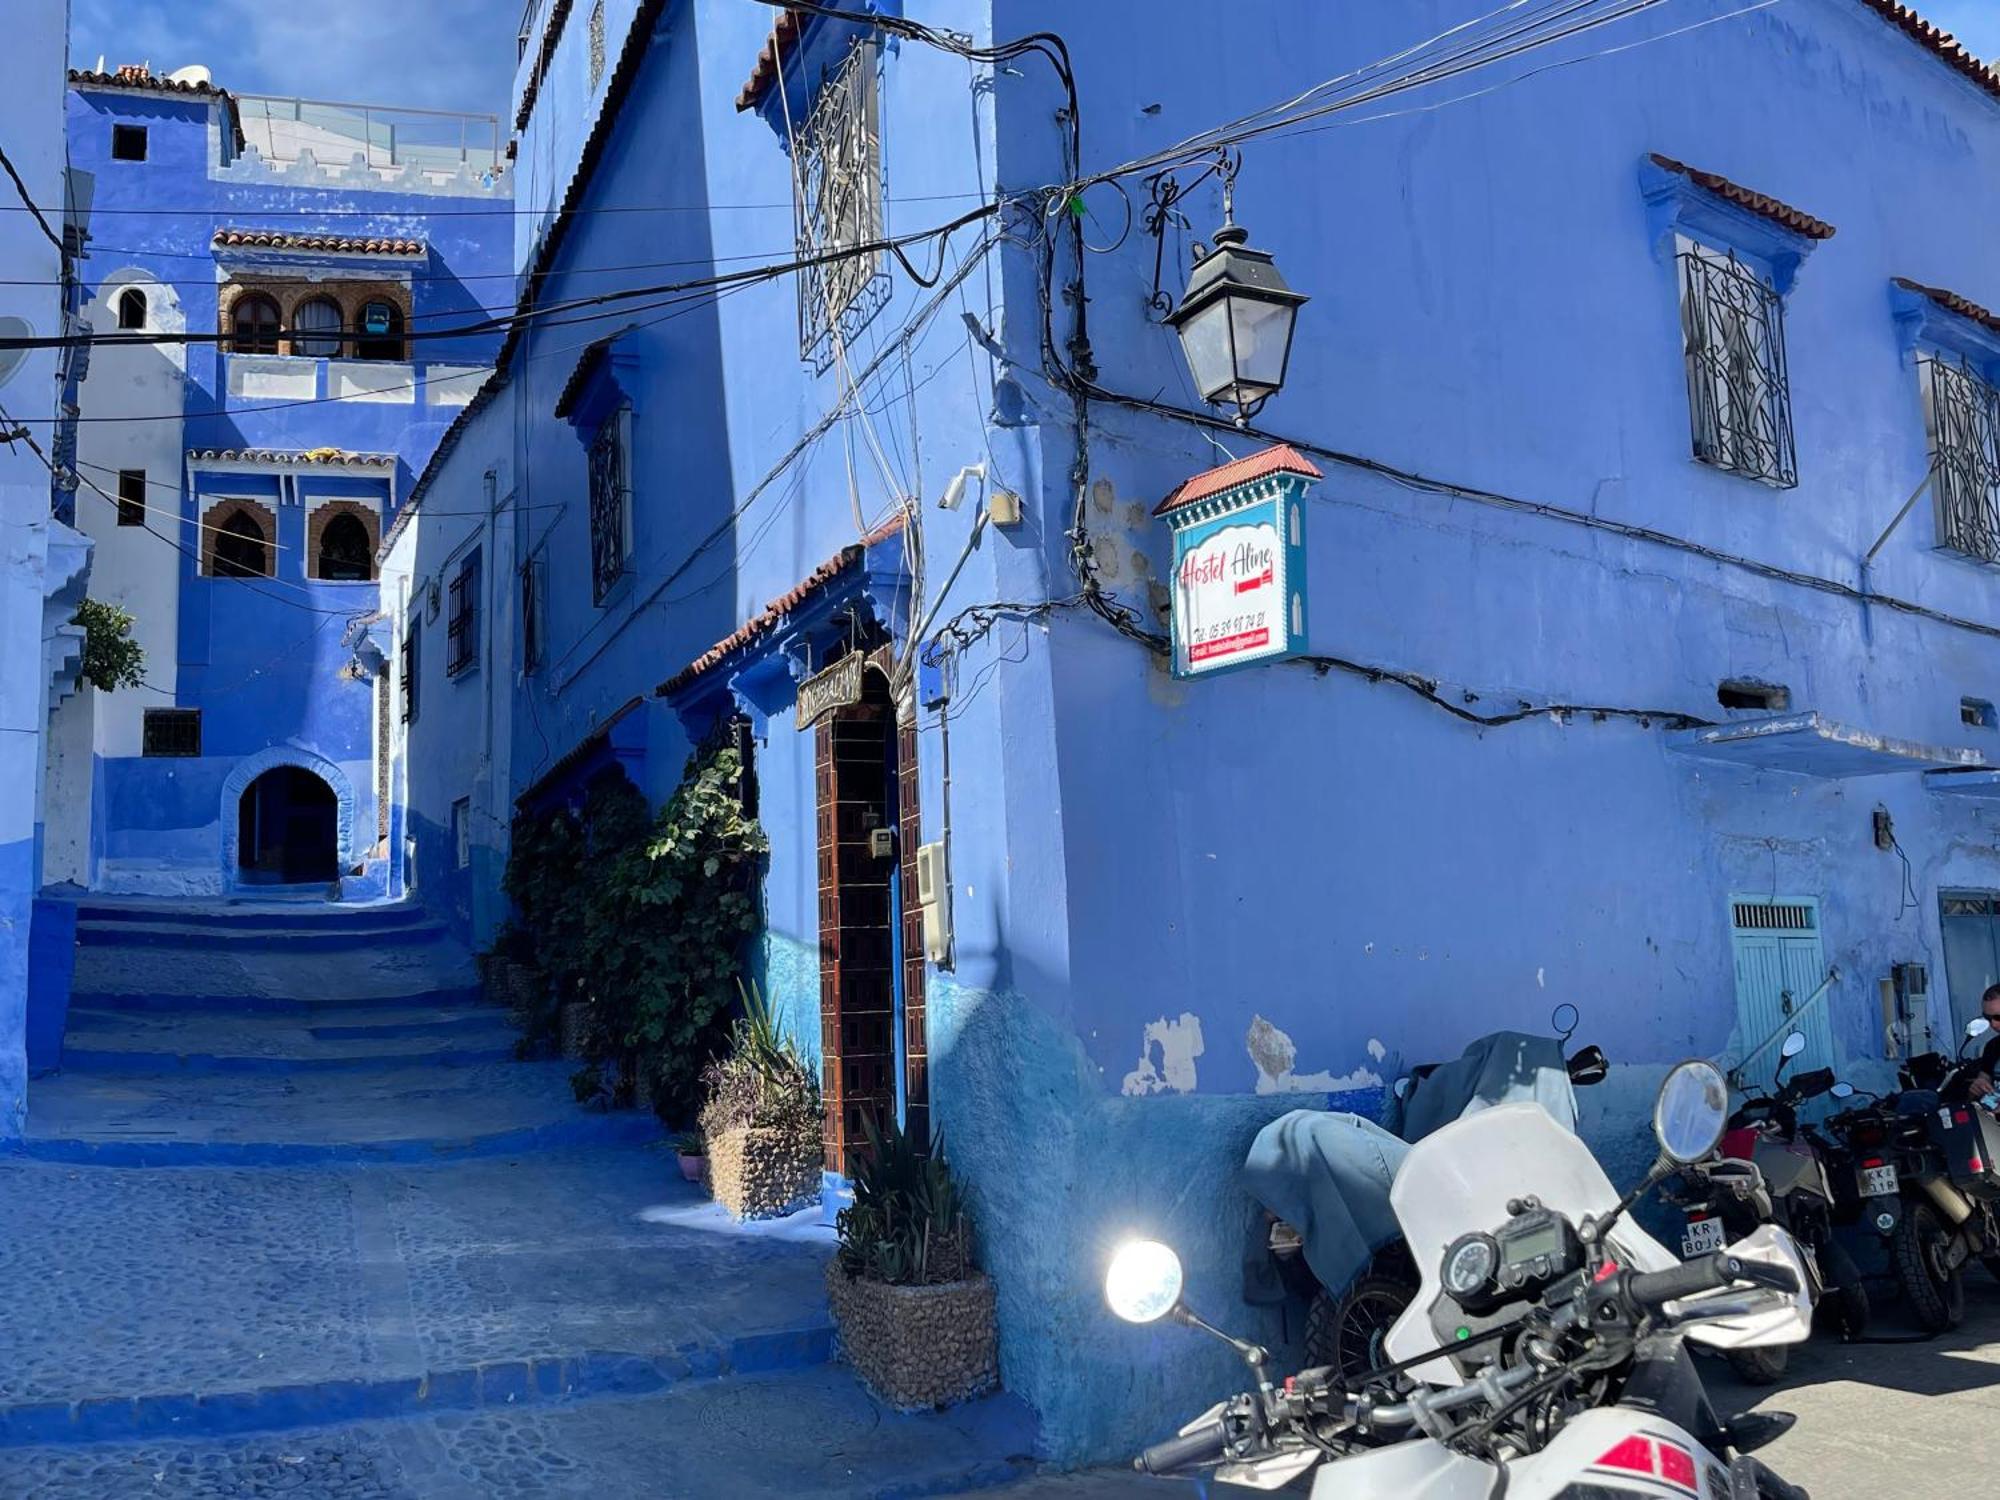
x=268, y=460
x=1805, y=744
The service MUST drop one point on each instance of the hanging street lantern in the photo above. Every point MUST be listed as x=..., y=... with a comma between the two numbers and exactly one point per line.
x=1235, y=322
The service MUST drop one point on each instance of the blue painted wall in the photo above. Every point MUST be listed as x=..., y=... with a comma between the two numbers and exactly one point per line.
x=1182, y=908
x=270, y=663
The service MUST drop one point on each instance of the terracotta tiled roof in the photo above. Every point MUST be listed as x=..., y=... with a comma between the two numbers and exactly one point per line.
x=1283, y=459
x=784, y=37
x=544, y=54
x=333, y=244
x=580, y=377
x=1965, y=307
x=1936, y=39
x=581, y=751
x=133, y=77
x=291, y=456
x=1795, y=219
x=772, y=614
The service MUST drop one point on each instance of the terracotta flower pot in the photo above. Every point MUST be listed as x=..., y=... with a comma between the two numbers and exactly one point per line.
x=692, y=1167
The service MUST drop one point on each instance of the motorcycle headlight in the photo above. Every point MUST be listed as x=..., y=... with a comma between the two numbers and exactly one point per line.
x=1143, y=1282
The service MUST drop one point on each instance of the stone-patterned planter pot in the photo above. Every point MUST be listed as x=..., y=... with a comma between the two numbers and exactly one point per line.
x=917, y=1347
x=526, y=990
x=642, y=1088
x=575, y=1021
x=764, y=1174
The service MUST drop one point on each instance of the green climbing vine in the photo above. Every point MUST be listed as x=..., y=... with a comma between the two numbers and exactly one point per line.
x=641, y=918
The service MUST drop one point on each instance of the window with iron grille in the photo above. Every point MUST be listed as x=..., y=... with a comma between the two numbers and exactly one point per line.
x=172, y=731
x=462, y=626
x=411, y=629
x=610, y=502
x=837, y=162
x=1963, y=413
x=1733, y=325
x=531, y=614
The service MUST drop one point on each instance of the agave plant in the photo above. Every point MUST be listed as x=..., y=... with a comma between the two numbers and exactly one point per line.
x=910, y=1223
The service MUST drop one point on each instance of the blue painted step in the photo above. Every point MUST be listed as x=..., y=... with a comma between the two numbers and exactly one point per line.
x=625, y=1128
x=204, y=936
x=444, y=999
x=385, y=917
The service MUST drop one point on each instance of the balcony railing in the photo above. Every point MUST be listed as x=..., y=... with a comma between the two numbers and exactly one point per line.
x=434, y=141
x=256, y=380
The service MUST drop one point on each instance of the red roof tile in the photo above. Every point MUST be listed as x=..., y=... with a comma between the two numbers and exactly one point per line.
x=552, y=33
x=334, y=244
x=1965, y=307
x=770, y=62
x=772, y=614
x=1283, y=459
x=1762, y=204
x=132, y=76
x=1936, y=39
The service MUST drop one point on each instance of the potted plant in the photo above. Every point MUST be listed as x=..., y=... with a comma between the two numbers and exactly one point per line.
x=915, y=1317
x=691, y=1151
x=762, y=1119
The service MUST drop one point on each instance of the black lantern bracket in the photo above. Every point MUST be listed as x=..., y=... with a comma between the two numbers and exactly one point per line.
x=1164, y=193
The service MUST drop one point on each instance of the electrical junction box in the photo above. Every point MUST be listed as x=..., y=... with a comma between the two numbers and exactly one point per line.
x=934, y=893
x=882, y=843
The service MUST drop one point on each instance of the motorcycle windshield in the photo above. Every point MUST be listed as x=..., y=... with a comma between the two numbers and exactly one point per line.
x=1459, y=1179
x=1507, y=1067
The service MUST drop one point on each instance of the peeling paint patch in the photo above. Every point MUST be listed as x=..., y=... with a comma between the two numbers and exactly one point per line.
x=1541, y=979
x=1166, y=1057
x=1275, y=1057
x=1375, y=1048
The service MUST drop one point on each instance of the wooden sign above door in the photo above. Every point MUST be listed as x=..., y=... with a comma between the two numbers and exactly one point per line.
x=839, y=686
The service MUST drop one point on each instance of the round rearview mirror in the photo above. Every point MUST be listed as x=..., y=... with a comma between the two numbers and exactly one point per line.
x=1842, y=1091
x=1402, y=1088
x=1691, y=1110
x=1564, y=1020
x=1143, y=1282
x=1977, y=1027
x=1793, y=1045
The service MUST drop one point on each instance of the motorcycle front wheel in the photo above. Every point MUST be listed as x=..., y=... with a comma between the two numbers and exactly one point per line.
x=1765, y=1366
x=1937, y=1295
x=1348, y=1331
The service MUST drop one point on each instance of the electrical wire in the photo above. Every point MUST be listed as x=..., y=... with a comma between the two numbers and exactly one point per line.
x=28, y=203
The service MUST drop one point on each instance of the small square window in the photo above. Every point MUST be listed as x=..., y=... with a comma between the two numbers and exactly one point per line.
x=1758, y=697
x=1977, y=713
x=131, y=497
x=128, y=142
x=172, y=732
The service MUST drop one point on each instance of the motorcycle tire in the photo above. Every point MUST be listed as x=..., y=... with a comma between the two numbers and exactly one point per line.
x=1347, y=1331
x=1847, y=1302
x=1992, y=1264
x=1765, y=1366
x=1937, y=1296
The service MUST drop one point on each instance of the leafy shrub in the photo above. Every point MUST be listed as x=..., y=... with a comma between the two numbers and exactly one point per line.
x=910, y=1223
x=111, y=658
x=762, y=1082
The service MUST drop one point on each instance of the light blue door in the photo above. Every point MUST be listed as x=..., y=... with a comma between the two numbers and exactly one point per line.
x=1779, y=965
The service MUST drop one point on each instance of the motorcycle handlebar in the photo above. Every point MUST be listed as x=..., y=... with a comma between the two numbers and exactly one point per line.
x=1710, y=1273
x=1204, y=1443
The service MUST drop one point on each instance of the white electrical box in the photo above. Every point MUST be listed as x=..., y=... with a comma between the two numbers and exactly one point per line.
x=934, y=892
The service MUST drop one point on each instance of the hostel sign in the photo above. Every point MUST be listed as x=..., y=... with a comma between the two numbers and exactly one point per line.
x=1239, y=584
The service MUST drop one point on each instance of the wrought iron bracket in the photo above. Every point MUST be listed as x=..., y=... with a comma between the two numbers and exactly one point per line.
x=1164, y=192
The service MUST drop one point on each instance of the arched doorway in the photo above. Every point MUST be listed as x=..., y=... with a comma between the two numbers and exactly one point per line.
x=288, y=829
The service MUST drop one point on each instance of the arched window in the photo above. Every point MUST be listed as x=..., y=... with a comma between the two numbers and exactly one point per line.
x=381, y=330
x=344, y=553
x=132, y=308
x=240, y=550
x=316, y=329
x=254, y=324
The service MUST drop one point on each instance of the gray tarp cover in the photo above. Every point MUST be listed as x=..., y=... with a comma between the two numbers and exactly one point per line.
x=1328, y=1175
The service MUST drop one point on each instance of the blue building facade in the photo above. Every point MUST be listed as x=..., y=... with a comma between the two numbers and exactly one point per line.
x=305, y=294
x=1646, y=652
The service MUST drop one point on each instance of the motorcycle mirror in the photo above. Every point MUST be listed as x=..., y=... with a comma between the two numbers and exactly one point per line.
x=1143, y=1282
x=1588, y=1066
x=1564, y=1019
x=1402, y=1088
x=1842, y=1091
x=1689, y=1116
x=1977, y=1027
x=1793, y=1045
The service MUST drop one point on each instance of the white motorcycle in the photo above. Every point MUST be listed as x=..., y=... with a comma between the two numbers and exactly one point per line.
x=1545, y=1354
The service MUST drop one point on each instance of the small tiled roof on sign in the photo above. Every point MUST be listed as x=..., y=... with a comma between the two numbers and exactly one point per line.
x=771, y=61
x=768, y=618
x=325, y=244
x=1283, y=459
x=134, y=76
x=1935, y=38
x=1762, y=204
x=1965, y=307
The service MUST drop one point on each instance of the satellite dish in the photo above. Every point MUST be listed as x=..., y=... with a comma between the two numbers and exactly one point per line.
x=10, y=359
x=194, y=74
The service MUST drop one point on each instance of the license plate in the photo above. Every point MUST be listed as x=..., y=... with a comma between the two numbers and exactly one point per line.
x=1878, y=1182
x=1703, y=1235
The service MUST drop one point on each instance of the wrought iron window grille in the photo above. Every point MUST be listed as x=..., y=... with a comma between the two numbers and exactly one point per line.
x=837, y=152
x=462, y=629
x=409, y=671
x=172, y=732
x=1963, y=412
x=1739, y=394
x=610, y=503
x=531, y=617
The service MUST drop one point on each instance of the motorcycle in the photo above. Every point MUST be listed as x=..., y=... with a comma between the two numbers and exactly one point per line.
x=1769, y=1169
x=1324, y=1182
x=1545, y=1355
x=1927, y=1177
